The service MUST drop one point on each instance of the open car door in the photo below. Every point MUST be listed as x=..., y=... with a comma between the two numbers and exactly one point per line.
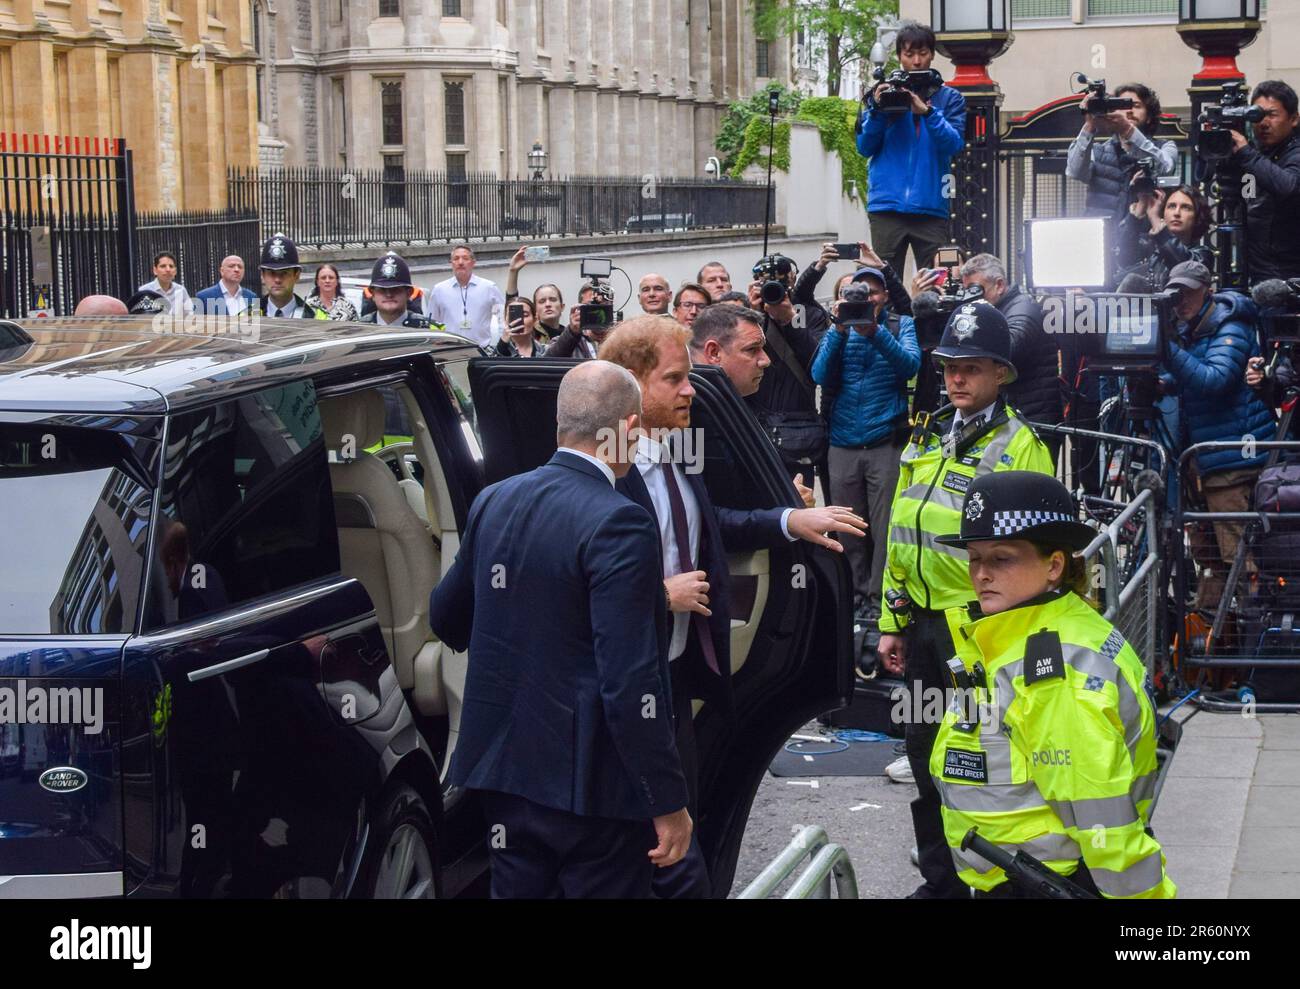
x=791, y=621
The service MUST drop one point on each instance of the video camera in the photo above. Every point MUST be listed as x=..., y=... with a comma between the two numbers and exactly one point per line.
x=897, y=97
x=774, y=270
x=1098, y=104
x=856, y=308
x=1218, y=120
x=932, y=308
x=599, y=316
x=1279, y=301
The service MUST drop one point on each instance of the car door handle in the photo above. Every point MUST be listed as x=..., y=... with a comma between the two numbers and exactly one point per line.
x=231, y=664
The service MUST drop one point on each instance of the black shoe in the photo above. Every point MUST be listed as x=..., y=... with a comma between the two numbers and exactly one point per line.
x=927, y=892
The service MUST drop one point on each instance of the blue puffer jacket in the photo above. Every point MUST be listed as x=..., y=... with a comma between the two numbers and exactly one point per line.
x=1207, y=369
x=910, y=155
x=864, y=379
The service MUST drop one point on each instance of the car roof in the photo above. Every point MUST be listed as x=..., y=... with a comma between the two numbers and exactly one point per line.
x=123, y=364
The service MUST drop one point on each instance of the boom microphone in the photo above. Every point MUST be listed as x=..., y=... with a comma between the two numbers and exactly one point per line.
x=925, y=306
x=1273, y=293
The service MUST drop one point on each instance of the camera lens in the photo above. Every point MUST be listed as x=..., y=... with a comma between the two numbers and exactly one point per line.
x=773, y=293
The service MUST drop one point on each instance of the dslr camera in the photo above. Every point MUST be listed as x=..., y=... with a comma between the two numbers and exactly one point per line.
x=1218, y=120
x=897, y=96
x=1143, y=176
x=1098, y=104
x=599, y=313
x=774, y=271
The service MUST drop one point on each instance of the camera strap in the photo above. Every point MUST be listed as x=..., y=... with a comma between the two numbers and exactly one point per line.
x=781, y=347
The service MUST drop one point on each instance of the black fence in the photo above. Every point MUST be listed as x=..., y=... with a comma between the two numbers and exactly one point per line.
x=65, y=231
x=323, y=207
x=199, y=240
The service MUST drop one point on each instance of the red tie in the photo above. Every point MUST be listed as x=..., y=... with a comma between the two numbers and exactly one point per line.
x=682, y=534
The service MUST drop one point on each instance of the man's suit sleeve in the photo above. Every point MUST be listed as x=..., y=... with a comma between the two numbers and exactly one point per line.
x=744, y=532
x=451, y=605
x=625, y=585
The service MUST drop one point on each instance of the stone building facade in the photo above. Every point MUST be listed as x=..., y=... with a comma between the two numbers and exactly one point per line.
x=175, y=78
x=609, y=87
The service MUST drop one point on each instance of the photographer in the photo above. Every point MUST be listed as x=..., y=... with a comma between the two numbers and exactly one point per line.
x=1273, y=213
x=1036, y=393
x=1207, y=355
x=1159, y=232
x=786, y=401
x=578, y=342
x=805, y=288
x=519, y=335
x=910, y=152
x=1102, y=167
x=863, y=371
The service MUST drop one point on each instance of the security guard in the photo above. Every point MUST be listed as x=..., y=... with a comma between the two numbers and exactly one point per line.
x=280, y=269
x=1048, y=746
x=390, y=285
x=977, y=434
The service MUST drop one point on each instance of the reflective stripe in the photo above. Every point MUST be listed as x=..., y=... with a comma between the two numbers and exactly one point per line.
x=995, y=449
x=940, y=496
x=1144, y=787
x=1101, y=812
x=908, y=537
x=1139, y=877
x=1046, y=848
x=990, y=799
x=1091, y=663
x=997, y=748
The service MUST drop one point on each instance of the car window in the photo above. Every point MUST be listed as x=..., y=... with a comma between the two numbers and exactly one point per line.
x=454, y=378
x=76, y=522
x=246, y=508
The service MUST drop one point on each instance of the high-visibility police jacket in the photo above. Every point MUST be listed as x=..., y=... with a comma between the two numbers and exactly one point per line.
x=933, y=477
x=1057, y=753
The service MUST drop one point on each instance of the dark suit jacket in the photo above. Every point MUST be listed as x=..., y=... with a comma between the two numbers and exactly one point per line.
x=722, y=530
x=212, y=300
x=566, y=704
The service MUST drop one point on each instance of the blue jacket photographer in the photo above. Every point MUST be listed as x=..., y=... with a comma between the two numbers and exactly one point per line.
x=910, y=148
x=1107, y=167
x=1273, y=160
x=1214, y=338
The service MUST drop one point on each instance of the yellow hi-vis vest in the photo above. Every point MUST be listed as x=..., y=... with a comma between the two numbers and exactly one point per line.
x=933, y=477
x=1058, y=757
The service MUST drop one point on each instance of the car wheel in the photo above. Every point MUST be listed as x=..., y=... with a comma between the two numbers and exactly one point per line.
x=402, y=860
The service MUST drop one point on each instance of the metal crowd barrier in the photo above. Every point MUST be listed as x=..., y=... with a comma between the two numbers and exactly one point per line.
x=1255, y=622
x=828, y=861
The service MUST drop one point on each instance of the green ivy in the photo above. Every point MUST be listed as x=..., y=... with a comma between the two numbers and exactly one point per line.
x=740, y=114
x=835, y=119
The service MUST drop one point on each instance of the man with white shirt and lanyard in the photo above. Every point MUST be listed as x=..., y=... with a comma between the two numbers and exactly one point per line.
x=695, y=537
x=390, y=286
x=977, y=434
x=466, y=304
x=280, y=270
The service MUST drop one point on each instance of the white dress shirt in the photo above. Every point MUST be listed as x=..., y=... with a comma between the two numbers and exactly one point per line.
x=291, y=311
x=959, y=419
x=235, y=301
x=604, y=467
x=468, y=310
x=179, y=302
x=652, y=459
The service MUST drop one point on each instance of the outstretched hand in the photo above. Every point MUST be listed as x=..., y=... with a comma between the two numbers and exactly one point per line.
x=814, y=525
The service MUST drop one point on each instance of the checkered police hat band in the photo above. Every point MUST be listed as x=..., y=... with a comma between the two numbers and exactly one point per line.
x=1009, y=523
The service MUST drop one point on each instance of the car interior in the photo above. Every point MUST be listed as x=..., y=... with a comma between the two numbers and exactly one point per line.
x=397, y=536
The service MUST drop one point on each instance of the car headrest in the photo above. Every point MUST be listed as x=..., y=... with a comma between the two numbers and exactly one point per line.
x=359, y=416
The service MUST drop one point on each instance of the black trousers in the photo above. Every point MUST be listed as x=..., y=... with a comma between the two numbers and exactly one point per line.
x=929, y=647
x=540, y=853
x=689, y=878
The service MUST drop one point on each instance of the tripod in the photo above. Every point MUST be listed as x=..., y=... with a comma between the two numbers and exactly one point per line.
x=1224, y=180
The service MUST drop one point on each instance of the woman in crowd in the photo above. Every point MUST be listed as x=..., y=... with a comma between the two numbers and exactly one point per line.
x=548, y=303
x=164, y=283
x=329, y=295
x=1159, y=231
x=519, y=339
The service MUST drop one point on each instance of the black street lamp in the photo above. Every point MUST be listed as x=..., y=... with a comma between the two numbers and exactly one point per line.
x=537, y=165
x=971, y=33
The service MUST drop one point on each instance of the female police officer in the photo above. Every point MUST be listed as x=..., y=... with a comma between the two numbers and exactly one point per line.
x=977, y=434
x=1048, y=746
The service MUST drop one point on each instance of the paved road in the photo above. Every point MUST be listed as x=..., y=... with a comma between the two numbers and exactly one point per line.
x=868, y=815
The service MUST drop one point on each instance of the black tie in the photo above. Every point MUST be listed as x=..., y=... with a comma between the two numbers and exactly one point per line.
x=681, y=533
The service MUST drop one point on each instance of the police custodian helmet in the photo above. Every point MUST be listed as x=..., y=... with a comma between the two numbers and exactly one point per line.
x=1020, y=504
x=977, y=329
x=391, y=271
x=279, y=253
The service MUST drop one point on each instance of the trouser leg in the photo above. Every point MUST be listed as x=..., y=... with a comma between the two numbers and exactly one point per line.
x=848, y=488
x=889, y=239
x=689, y=878
x=881, y=472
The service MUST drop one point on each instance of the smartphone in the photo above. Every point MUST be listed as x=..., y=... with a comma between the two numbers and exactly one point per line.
x=597, y=267
x=536, y=253
x=514, y=313
x=848, y=252
x=941, y=277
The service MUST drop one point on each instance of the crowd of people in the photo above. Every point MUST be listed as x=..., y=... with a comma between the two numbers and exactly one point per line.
x=919, y=421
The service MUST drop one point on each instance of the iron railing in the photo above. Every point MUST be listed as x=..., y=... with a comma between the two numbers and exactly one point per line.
x=324, y=208
x=827, y=861
x=200, y=240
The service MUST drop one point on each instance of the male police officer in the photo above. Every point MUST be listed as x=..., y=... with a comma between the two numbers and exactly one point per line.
x=390, y=285
x=976, y=434
x=280, y=269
